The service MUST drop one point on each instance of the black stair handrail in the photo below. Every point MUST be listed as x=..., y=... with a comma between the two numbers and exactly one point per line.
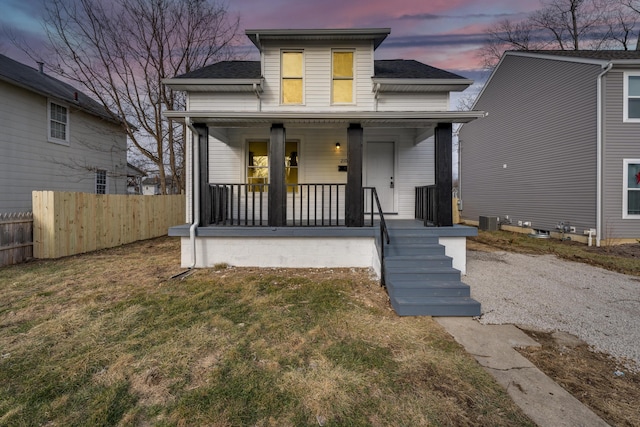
x=384, y=232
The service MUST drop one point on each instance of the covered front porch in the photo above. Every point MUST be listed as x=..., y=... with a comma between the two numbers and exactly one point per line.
x=349, y=188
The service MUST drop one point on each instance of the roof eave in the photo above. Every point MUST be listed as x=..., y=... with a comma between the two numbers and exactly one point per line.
x=377, y=35
x=420, y=85
x=215, y=85
x=311, y=119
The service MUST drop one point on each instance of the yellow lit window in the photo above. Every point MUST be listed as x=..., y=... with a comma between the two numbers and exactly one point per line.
x=342, y=90
x=258, y=164
x=291, y=163
x=292, y=71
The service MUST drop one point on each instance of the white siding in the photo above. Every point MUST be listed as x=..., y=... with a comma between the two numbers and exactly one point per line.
x=29, y=162
x=436, y=101
x=205, y=101
x=414, y=165
x=317, y=77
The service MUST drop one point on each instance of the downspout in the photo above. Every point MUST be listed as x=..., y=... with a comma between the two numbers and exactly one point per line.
x=195, y=197
x=599, y=155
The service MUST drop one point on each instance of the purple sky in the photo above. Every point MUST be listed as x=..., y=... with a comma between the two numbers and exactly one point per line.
x=441, y=33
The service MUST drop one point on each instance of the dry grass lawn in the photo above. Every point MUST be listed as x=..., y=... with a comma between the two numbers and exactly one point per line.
x=109, y=339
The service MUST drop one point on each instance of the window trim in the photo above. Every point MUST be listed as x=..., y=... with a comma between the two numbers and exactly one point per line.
x=626, y=189
x=302, y=77
x=50, y=119
x=106, y=181
x=625, y=101
x=353, y=77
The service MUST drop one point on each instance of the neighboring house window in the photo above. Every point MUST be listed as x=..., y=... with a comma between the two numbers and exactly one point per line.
x=258, y=163
x=342, y=77
x=632, y=97
x=292, y=77
x=58, y=123
x=631, y=186
x=101, y=181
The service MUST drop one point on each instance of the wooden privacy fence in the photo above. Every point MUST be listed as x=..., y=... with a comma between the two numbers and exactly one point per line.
x=16, y=231
x=71, y=223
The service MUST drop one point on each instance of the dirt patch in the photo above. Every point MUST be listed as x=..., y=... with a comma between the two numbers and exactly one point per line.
x=605, y=385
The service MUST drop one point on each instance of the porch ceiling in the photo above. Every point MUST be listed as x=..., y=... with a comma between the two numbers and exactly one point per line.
x=329, y=119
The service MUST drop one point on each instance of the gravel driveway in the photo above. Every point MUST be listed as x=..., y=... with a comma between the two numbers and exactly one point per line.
x=543, y=292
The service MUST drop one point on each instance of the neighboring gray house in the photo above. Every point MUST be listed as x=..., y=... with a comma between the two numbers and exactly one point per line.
x=54, y=138
x=560, y=145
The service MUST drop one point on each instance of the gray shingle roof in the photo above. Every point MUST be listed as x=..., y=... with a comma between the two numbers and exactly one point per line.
x=29, y=78
x=591, y=54
x=226, y=70
x=393, y=69
x=409, y=69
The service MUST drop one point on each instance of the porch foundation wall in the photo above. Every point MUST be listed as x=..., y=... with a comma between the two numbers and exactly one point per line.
x=286, y=252
x=456, y=248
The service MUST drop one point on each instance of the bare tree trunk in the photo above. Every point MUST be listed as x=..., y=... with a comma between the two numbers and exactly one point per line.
x=120, y=51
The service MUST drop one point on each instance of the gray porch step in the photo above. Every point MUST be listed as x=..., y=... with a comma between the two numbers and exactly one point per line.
x=419, y=288
x=420, y=279
x=415, y=249
x=417, y=261
x=425, y=274
x=435, y=306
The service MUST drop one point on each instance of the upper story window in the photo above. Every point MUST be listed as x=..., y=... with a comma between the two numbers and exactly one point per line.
x=58, y=123
x=292, y=77
x=342, y=77
x=632, y=97
x=631, y=189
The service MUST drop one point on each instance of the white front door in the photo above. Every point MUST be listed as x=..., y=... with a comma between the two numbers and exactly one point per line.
x=380, y=173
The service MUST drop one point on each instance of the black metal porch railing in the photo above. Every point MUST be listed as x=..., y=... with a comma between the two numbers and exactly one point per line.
x=239, y=204
x=315, y=205
x=308, y=205
x=426, y=206
x=384, y=231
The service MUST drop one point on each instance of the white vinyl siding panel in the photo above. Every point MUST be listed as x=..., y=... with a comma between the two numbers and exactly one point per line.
x=622, y=141
x=28, y=161
x=436, y=101
x=207, y=101
x=317, y=77
x=534, y=156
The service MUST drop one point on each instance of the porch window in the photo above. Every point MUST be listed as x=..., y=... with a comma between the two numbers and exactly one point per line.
x=292, y=77
x=58, y=123
x=291, y=163
x=342, y=75
x=631, y=188
x=632, y=97
x=258, y=164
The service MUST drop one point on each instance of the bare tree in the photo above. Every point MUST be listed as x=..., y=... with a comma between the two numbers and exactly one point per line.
x=120, y=51
x=564, y=25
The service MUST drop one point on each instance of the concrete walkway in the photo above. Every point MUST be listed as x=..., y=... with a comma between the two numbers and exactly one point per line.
x=544, y=401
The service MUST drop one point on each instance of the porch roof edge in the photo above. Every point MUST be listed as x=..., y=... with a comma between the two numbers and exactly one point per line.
x=369, y=118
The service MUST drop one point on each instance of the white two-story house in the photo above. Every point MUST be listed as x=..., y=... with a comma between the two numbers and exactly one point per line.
x=318, y=155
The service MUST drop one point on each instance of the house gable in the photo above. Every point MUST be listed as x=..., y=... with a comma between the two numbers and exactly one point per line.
x=385, y=85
